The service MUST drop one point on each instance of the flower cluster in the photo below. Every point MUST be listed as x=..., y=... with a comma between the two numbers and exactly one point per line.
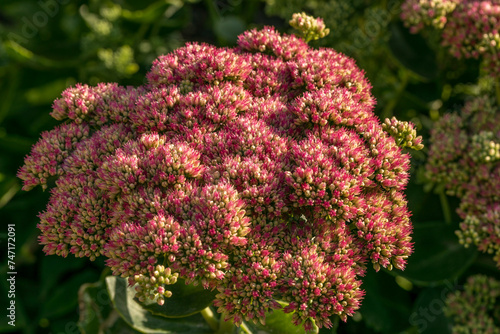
x=404, y=133
x=476, y=309
x=153, y=287
x=259, y=170
x=419, y=13
x=464, y=157
x=310, y=28
x=470, y=28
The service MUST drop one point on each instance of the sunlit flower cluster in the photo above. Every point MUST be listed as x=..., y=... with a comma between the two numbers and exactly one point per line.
x=311, y=28
x=464, y=156
x=258, y=170
x=470, y=28
x=404, y=133
x=475, y=308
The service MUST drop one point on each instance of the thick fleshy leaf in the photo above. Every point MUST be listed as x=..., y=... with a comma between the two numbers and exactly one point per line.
x=144, y=321
x=438, y=256
x=97, y=315
x=94, y=306
x=186, y=300
x=386, y=307
x=427, y=315
x=278, y=322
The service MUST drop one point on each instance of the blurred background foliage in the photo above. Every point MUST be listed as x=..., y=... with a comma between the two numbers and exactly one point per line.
x=49, y=45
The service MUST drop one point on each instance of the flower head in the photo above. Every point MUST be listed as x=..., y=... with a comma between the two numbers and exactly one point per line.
x=470, y=28
x=418, y=13
x=476, y=309
x=310, y=28
x=259, y=170
x=464, y=157
x=404, y=133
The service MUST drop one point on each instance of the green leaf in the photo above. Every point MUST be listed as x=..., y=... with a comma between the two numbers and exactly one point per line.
x=228, y=28
x=95, y=307
x=186, y=300
x=153, y=12
x=21, y=54
x=278, y=322
x=428, y=316
x=46, y=93
x=142, y=320
x=17, y=52
x=8, y=188
x=65, y=297
x=97, y=315
x=386, y=307
x=54, y=267
x=438, y=256
x=121, y=327
x=413, y=52
x=15, y=144
x=424, y=205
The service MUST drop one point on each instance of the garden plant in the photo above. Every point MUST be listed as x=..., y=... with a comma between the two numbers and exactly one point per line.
x=248, y=167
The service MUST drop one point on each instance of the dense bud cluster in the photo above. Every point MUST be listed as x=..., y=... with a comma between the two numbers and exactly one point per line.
x=470, y=28
x=153, y=287
x=419, y=13
x=404, y=133
x=476, y=309
x=464, y=157
x=259, y=170
x=309, y=27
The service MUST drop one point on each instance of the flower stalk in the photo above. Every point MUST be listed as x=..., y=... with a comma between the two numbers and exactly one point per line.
x=210, y=318
x=445, y=206
x=225, y=326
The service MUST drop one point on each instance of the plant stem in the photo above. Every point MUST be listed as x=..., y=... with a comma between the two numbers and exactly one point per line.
x=213, y=11
x=9, y=90
x=245, y=328
x=225, y=327
x=388, y=111
x=210, y=318
x=497, y=90
x=445, y=206
x=214, y=15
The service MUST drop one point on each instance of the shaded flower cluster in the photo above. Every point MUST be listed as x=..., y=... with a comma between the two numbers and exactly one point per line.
x=476, y=309
x=464, y=157
x=258, y=170
x=420, y=13
x=470, y=28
